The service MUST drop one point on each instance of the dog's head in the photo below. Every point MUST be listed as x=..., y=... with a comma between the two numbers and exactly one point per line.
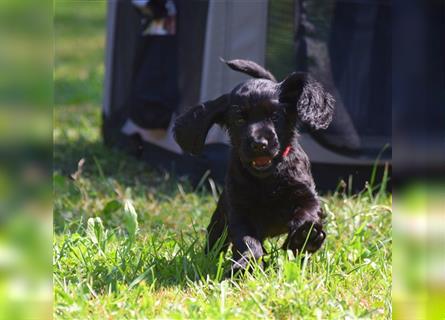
x=260, y=115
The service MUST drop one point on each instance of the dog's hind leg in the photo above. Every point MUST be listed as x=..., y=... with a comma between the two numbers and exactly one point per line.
x=247, y=244
x=246, y=248
x=217, y=238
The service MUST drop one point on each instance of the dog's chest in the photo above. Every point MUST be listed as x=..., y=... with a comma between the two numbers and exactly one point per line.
x=271, y=207
x=272, y=219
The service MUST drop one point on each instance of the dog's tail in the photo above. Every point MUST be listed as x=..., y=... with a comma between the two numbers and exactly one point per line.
x=250, y=68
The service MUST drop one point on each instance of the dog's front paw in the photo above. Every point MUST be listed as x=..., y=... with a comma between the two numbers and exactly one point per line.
x=315, y=237
x=308, y=238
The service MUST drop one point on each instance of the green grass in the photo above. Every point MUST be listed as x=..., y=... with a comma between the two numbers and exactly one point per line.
x=128, y=242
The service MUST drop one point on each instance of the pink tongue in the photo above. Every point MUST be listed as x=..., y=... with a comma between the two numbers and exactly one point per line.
x=262, y=161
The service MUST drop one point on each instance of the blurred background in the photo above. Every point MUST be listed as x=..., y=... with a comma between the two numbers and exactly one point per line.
x=25, y=160
x=382, y=60
x=418, y=132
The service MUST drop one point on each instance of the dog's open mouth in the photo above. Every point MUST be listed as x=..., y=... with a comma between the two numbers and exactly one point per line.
x=261, y=163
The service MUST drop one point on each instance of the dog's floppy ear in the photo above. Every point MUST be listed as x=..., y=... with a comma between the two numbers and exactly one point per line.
x=191, y=128
x=249, y=67
x=315, y=106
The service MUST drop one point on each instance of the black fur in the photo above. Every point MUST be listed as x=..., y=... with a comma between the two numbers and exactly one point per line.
x=266, y=193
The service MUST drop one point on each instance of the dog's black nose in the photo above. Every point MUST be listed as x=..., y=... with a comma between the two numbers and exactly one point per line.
x=259, y=144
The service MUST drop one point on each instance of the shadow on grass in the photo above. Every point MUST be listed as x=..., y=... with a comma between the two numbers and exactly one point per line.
x=102, y=162
x=160, y=263
x=182, y=269
x=188, y=264
x=108, y=176
x=162, y=258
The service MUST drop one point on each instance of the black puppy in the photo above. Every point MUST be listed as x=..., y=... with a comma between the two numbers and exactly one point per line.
x=269, y=188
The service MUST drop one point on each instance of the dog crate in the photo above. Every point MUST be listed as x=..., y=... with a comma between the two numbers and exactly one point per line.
x=346, y=45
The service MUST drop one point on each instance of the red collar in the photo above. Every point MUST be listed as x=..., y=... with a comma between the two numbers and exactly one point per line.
x=287, y=151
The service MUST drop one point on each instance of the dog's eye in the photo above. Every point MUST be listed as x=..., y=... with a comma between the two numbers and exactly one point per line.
x=240, y=120
x=239, y=116
x=275, y=116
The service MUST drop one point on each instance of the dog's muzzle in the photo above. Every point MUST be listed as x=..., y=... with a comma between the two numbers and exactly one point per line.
x=261, y=163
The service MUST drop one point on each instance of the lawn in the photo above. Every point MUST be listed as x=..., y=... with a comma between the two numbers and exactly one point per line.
x=128, y=241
